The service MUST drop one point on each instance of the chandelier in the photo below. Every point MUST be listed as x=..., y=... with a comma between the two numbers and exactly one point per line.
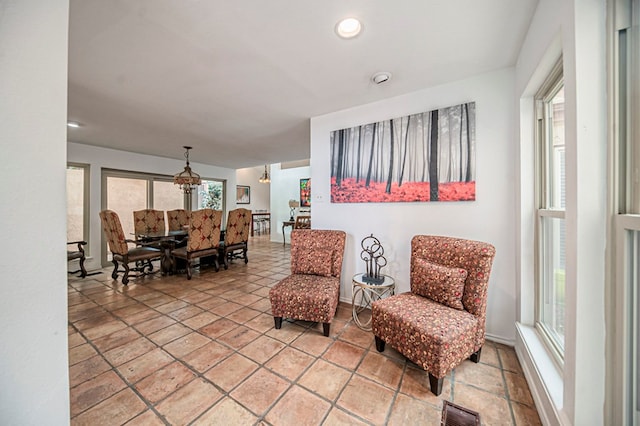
x=187, y=179
x=265, y=176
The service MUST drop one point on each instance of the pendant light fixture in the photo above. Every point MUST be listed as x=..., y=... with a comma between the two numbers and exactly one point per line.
x=265, y=178
x=187, y=179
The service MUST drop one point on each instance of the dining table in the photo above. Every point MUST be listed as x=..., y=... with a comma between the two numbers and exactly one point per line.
x=167, y=241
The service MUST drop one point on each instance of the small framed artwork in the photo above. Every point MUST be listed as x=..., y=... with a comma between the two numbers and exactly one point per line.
x=305, y=192
x=243, y=194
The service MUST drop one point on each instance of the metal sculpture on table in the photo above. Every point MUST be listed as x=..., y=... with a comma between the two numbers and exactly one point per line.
x=372, y=254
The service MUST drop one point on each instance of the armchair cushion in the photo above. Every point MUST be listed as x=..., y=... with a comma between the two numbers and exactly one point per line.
x=306, y=297
x=437, y=282
x=312, y=262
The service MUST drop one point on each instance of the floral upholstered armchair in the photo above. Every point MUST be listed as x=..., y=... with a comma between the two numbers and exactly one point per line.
x=312, y=291
x=441, y=321
x=204, y=238
x=236, y=236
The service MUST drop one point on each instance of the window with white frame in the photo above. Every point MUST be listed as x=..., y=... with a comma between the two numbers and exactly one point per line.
x=625, y=110
x=77, y=203
x=550, y=221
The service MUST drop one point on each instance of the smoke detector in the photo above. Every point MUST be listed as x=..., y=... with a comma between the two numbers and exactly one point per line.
x=381, y=77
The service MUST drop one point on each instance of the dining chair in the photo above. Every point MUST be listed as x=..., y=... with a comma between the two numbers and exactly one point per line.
x=203, y=239
x=148, y=221
x=177, y=219
x=142, y=255
x=302, y=222
x=77, y=254
x=236, y=236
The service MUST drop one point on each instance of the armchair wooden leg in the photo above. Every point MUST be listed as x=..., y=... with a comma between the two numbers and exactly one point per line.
x=189, y=269
x=125, y=278
x=244, y=253
x=83, y=271
x=216, y=264
x=326, y=328
x=278, y=321
x=436, y=384
x=379, y=344
x=475, y=357
x=114, y=274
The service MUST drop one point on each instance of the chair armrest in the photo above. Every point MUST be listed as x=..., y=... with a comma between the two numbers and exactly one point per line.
x=79, y=244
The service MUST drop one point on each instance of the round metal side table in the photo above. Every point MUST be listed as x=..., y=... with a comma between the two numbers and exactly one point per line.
x=366, y=293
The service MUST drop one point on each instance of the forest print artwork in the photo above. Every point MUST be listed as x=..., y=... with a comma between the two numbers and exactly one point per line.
x=428, y=156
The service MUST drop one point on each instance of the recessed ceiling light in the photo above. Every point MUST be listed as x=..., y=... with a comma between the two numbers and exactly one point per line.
x=348, y=28
x=73, y=124
x=381, y=77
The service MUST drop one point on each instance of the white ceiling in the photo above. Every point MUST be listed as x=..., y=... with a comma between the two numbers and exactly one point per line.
x=239, y=80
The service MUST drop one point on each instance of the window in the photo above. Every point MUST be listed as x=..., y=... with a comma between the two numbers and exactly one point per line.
x=210, y=195
x=625, y=109
x=77, y=203
x=550, y=224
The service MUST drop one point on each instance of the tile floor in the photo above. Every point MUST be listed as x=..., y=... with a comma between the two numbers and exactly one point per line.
x=165, y=350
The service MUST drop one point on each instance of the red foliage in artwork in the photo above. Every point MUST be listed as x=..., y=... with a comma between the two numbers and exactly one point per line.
x=352, y=192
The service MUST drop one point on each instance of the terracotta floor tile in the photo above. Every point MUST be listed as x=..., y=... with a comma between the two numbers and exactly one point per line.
x=164, y=381
x=132, y=307
x=207, y=356
x=338, y=417
x=159, y=300
x=489, y=355
x=211, y=302
x=224, y=309
x=141, y=316
x=81, y=353
x=261, y=323
x=325, y=379
x=248, y=298
x=238, y=337
x=231, y=372
x=344, y=354
x=290, y=363
x=509, y=360
x=354, y=335
x=144, y=365
x=494, y=409
x=381, y=369
x=312, y=343
x=263, y=305
x=87, y=369
x=407, y=411
x=118, y=409
x=200, y=320
x=116, y=339
x=186, y=312
x=226, y=412
x=104, y=329
x=186, y=344
x=147, y=418
x=218, y=328
x=174, y=305
x=155, y=324
x=262, y=348
x=94, y=391
x=366, y=399
x=243, y=315
x=298, y=406
x=288, y=333
x=166, y=335
x=415, y=383
x=189, y=402
x=481, y=376
x=518, y=388
x=524, y=415
x=131, y=350
x=260, y=391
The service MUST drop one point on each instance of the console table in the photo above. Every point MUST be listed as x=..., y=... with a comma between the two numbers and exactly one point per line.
x=284, y=225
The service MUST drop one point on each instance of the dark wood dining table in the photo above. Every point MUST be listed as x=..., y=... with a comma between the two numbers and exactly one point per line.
x=167, y=241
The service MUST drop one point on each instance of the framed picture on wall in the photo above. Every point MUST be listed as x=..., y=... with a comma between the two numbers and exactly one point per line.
x=243, y=194
x=305, y=192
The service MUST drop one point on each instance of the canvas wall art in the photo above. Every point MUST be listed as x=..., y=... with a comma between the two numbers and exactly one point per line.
x=305, y=192
x=422, y=157
x=243, y=194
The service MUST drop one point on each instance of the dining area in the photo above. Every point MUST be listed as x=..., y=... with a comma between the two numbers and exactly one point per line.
x=177, y=239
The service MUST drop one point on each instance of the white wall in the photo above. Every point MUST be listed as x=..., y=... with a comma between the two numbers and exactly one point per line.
x=490, y=218
x=33, y=98
x=260, y=192
x=285, y=186
x=99, y=158
x=577, y=29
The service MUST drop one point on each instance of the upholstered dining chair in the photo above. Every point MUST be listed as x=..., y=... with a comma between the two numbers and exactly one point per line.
x=142, y=255
x=203, y=240
x=78, y=253
x=302, y=222
x=177, y=219
x=236, y=236
x=312, y=291
x=441, y=321
x=148, y=221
